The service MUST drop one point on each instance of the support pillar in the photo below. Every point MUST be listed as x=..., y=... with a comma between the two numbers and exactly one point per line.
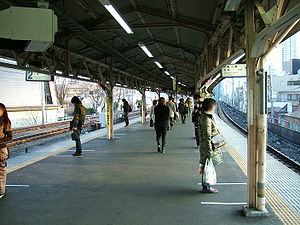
x=109, y=113
x=256, y=161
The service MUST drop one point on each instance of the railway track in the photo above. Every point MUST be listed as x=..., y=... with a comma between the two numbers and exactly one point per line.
x=34, y=133
x=287, y=160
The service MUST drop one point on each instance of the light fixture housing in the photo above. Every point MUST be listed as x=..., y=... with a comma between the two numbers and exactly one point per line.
x=109, y=7
x=172, y=77
x=232, y=5
x=166, y=72
x=145, y=49
x=158, y=64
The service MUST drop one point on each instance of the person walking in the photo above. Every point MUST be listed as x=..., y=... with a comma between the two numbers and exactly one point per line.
x=77, y=123
x=172, y=109
x=195, y=119
x=207, y=130
x=5, y=136
x=127, y=109
x=162, y=114
x=182, y=110
x=152, y=115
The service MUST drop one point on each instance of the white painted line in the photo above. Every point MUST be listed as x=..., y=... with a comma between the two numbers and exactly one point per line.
x=225, y=184
x=17, y=185
x=82, y=150
x=223, y=203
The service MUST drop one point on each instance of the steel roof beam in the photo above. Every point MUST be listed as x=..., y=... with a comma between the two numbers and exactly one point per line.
x=183, y=20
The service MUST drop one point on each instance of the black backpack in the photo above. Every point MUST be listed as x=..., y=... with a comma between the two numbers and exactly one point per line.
x=129, y=108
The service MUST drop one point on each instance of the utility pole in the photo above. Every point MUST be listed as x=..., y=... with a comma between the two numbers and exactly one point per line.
x=43, y=102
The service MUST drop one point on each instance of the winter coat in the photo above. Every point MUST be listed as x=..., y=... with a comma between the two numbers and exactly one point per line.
x=5, y=133
x=195, y=118
x=207, y=129
x=182, y=108
x=79, y=116
x=172, y=108
x=162, y=113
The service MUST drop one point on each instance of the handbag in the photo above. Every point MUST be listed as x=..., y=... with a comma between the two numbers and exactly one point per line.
x=217, y=141
x=74, y=136
x=151, y=123
x=217, y=157
x=209, y=174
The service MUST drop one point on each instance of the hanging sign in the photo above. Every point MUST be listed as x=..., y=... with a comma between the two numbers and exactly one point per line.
x=34, y=76
x=234, y=70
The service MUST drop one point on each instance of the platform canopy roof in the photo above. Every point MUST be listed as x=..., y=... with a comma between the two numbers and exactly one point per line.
x=174, y=31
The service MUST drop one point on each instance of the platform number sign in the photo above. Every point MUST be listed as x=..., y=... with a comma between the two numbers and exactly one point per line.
x=34, y=76
x=234, y=70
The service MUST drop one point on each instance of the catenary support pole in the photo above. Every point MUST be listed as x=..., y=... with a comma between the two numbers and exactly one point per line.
x=256, y=154
x=43, y=102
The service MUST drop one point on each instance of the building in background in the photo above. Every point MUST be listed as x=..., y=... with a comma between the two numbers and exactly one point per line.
x=289, y=52
x=286, y=88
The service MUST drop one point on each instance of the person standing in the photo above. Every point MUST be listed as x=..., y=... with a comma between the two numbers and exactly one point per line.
x=77, y=123
x=162, y=113
x=172, y=109
x=207, y=129
x=189, y=104
x=182, y=110
x=5, y=136
x=152, y=115
x=127, y=109
x=195, y=119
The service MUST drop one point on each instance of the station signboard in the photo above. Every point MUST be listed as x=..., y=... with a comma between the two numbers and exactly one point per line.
x=34, y=76
x=234, y=70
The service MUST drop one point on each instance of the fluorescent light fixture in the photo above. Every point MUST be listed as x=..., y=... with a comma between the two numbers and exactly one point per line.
x=83, y=77
x=232, y=5
x=158, y=64
x=8, y=61
x=146, y=50
x=179, y=82
x=116, y=15
x=166, y=72
x=172, y=77
x=237, y=59
x=58, y=71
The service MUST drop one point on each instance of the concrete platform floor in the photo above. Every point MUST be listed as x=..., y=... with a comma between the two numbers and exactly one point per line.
x=125, y=181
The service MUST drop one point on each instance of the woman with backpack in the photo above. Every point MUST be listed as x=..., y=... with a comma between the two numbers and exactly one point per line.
x=5, y=136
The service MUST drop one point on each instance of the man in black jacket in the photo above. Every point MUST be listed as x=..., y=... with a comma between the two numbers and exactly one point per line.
x=162, y=114
x=126, y=109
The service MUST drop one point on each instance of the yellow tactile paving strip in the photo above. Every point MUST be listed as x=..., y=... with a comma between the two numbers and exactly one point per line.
x=279, y=206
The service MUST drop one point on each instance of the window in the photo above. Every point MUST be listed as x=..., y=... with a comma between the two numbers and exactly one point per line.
x=293, y=82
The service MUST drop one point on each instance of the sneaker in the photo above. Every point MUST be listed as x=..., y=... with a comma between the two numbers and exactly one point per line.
x=211, y=191
x=158, y=148
x=1, y=196
x=163, y=150
x=77, y=154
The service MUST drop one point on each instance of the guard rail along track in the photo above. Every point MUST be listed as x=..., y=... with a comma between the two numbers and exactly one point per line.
x=48, y=130
x=295, y=165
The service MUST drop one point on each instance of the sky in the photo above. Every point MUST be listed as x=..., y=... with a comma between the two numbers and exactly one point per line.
x=274, y=59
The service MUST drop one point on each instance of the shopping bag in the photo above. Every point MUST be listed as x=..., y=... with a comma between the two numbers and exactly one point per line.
x=209, y=174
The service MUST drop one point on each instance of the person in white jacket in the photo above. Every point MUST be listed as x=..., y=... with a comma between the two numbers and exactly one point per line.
x=172, y=109
x=152, y=115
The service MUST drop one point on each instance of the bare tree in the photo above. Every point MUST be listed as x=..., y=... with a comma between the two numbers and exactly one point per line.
x=62, y=86
x=97, y=96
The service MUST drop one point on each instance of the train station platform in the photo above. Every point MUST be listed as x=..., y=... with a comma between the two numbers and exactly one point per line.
x=125, y=181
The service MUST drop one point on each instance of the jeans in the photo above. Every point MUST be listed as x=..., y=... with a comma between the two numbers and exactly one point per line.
x=197, y=135
x=205, y=187
x=3, y=161
x=161, y=132
x=78, y=144
x=126, y=119
x=183, y=117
